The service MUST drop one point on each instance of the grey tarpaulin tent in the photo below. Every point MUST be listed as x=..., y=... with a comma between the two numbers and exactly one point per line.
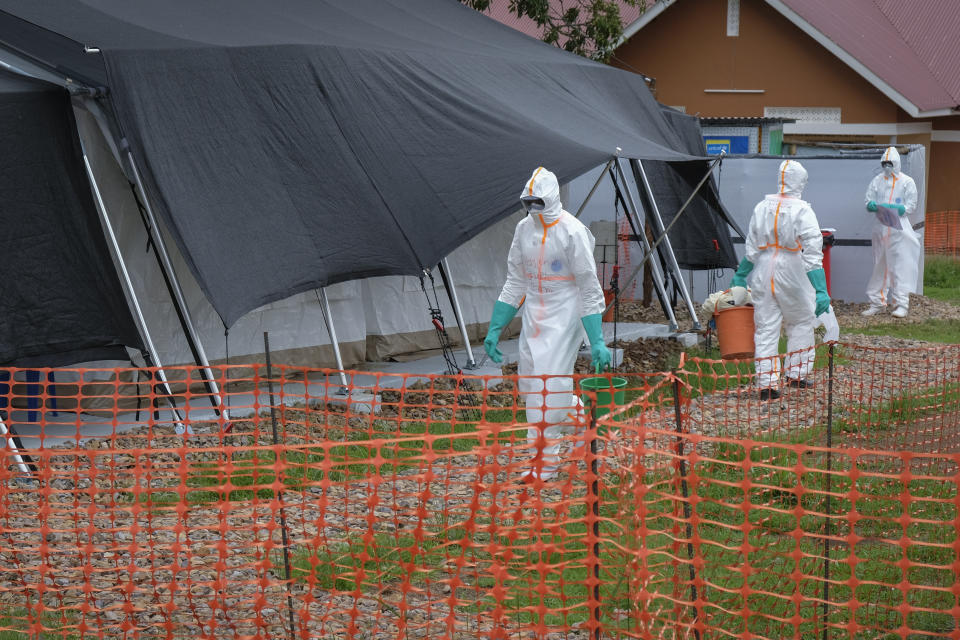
x=62, y=302
x=291, y=144
x=706, y=244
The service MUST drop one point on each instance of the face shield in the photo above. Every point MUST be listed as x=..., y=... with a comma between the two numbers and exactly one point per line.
x=532, y=204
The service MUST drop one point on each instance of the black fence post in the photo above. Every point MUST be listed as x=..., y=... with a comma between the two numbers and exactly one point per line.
x=686, y=495
x=827, y=529
x=593, y=496
x=283, y=518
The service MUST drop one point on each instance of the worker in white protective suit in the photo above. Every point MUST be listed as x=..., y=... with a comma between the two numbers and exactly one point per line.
x=896, y=249
x=552, y=274
x=784, y=268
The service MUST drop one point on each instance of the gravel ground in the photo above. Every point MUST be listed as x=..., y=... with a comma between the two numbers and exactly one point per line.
x=205, y=569
x=848, y=315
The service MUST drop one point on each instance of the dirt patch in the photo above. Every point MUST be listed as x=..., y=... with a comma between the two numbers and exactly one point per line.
x=644, y=355
x=848, y=314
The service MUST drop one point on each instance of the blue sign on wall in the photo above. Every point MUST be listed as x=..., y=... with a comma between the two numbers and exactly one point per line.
x=728, y=144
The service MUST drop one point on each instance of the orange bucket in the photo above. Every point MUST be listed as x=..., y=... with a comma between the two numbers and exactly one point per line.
x=735, y=332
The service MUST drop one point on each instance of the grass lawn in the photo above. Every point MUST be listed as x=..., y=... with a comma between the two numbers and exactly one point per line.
x=705, y=377
x=941, y=279
x=18, y=618
x=761, y=511
x=933, y=330
x=759, y=516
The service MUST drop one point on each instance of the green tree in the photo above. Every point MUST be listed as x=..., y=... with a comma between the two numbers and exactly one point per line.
x=590, y=28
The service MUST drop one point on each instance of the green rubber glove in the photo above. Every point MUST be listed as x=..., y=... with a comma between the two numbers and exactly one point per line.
x=818, y=278
x=901, y=210
x=599, y=354
x=872, y=206
x=740, y=277
x=502, y=315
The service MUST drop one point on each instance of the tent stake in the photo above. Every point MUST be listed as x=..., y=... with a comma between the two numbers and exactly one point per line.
x=447, y=277
x=649, y=257
x=179, y=299
x=332, y=332
x=640, y=176
x=131, y=295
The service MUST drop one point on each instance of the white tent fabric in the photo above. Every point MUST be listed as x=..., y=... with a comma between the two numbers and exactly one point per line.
x=837, y=183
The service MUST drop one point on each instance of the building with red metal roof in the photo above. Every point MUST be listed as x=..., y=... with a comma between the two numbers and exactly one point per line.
x=873, y=71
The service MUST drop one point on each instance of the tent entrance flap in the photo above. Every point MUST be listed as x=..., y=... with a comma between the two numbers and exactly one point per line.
x=63, y=303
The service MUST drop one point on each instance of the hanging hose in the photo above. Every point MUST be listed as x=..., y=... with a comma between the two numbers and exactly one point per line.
x=436, y=317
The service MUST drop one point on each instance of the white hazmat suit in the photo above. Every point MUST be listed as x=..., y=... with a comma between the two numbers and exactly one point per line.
x=552, y=274
x=896, y=252
x=784, y=243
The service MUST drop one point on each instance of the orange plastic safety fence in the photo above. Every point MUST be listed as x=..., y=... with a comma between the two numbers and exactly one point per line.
x=398, y=509
x=942, y=233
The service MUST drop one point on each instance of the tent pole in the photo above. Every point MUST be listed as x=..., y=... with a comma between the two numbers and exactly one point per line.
x=596, y=184
x=332, y=332
x=129, y=291
x=177, y=293
x=640, y=176
x=637, y=233
x=676, y=218
x=651, y=258
x=458, y=314
x=8, y=434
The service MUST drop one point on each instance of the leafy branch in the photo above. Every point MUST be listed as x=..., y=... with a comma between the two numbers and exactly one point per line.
x=590, y=28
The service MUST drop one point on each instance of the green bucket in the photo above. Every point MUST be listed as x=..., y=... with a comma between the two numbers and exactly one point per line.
x=609, y=393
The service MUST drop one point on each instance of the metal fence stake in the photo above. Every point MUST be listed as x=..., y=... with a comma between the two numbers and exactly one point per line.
x=283, y=518
x=827, y=527
x=686, y=503
x=593, y=496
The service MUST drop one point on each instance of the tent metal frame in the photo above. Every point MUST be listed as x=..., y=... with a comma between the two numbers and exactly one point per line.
x=447, y=278
x=324, y=302
x=128, y=290
x=637, y=223
x=652, y=253
x=22, y=461
x=653, y=213
x=676, y=218
x=176, y=291
x=162, y=255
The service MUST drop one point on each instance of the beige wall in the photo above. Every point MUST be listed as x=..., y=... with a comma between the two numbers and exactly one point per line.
x=686, y=49
x=943, y=183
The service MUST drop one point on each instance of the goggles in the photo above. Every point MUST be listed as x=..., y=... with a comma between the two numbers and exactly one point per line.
x=886, y=163
x=532, y=203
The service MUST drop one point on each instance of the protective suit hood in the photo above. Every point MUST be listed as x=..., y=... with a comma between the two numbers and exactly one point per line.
x=891, y=155
x=543, y=184
x=791, y=179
